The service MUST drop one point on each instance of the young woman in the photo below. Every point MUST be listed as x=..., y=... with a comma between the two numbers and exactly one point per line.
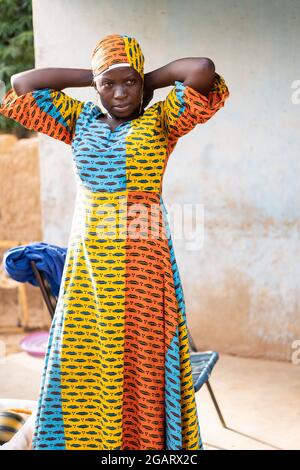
x=117, y=373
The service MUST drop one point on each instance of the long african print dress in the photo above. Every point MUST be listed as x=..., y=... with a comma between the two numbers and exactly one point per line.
x=117, y=373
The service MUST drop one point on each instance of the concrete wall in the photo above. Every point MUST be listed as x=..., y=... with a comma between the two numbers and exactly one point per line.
x=242, y=287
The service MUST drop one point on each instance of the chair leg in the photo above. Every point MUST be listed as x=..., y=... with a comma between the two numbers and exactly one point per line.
x=212, y=395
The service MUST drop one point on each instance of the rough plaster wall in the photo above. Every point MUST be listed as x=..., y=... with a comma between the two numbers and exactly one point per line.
x=20, y=221
x=242, y=167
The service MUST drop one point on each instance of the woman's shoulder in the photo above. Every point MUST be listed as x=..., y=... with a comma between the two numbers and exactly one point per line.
x=154, y=108
x=90, y=107
x=89, y=112
x=153, y=113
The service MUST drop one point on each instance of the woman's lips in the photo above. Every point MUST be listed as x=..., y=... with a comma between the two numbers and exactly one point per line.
x=121, y=108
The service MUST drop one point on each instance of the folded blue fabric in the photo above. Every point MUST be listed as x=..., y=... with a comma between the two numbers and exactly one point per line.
x=49, y=259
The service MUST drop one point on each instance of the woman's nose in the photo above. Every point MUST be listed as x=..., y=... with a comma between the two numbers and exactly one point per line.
x=120, y=92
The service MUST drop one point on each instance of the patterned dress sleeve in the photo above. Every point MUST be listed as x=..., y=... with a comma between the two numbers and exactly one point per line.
x=46, y=110
x=185, y=107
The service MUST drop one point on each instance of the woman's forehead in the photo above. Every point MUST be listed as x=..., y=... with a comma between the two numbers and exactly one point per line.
x=120, y=72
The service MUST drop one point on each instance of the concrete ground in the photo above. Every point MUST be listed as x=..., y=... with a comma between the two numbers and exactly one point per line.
x=257, y=397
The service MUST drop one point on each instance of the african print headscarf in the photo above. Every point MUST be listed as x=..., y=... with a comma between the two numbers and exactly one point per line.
x=116, y=50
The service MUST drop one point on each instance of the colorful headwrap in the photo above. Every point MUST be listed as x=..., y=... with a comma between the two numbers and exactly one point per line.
x=116, y=50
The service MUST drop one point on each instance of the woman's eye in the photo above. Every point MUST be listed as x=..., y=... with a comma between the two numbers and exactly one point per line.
x=107, y=84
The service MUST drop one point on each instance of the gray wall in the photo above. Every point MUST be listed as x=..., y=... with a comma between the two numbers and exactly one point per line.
x=242, y=287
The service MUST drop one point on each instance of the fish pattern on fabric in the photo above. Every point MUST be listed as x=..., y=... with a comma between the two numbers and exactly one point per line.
x=114, y=49
x=117, y=373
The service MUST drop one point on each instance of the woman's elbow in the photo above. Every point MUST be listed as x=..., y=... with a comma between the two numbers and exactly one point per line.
x=207, y=64
x=18, y=84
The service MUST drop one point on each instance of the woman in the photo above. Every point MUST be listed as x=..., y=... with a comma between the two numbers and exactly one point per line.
x=117, y=373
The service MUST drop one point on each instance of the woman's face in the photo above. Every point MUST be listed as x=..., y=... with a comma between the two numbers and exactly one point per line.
x=120, y=91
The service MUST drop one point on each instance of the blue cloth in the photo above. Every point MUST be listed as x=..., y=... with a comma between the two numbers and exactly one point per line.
x=49, y=259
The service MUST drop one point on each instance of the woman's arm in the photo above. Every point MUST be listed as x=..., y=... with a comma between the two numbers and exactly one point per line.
x=55, y=78
x=197, y=72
